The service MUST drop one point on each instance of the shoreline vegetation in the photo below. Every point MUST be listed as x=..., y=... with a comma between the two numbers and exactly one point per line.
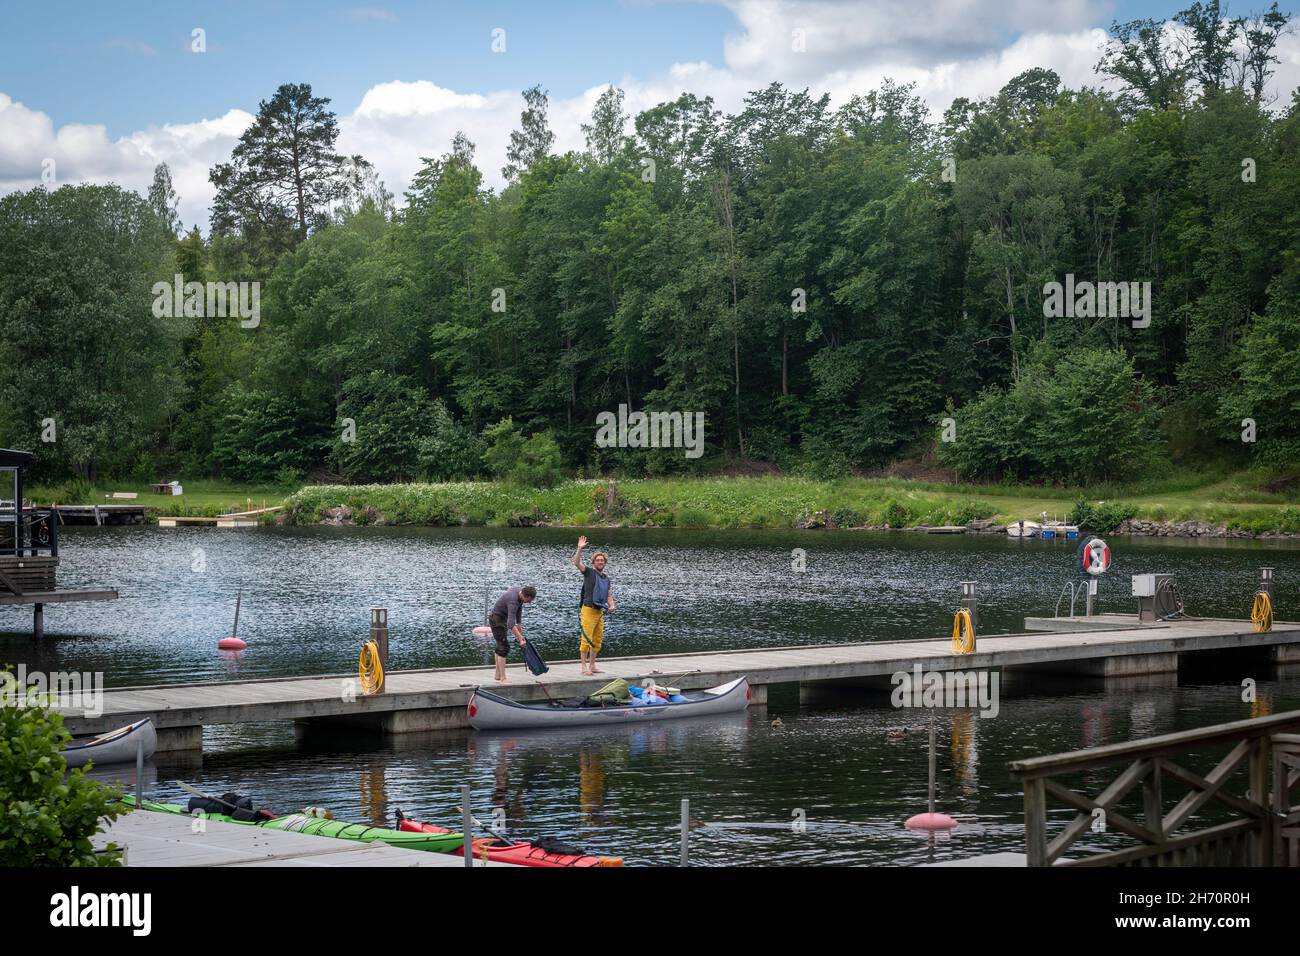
x=1241, y=504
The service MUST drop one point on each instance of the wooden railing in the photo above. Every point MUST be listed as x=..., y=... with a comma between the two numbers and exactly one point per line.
x=1239, y=813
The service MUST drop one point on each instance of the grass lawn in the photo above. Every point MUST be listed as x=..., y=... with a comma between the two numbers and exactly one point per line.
x=1245, y=500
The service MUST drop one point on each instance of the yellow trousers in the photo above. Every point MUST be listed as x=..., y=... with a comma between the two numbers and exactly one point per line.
x=593, y=629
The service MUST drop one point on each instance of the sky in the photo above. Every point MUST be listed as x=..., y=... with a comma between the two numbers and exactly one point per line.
x=102, y=92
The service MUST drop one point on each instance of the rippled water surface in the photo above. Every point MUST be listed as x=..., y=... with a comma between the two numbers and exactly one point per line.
x=306, y=592
x=850, y=773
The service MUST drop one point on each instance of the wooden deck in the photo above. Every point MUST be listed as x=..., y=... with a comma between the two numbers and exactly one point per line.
x=241, y=519
x=436, y=698
x=158, y=839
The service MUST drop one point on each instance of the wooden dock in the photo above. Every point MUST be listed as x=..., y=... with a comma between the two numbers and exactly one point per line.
x=434, y=699
x=241, y=519
x=98, y=514
x=160, y=839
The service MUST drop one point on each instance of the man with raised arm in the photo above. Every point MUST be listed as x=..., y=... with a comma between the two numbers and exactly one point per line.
x=597, y=599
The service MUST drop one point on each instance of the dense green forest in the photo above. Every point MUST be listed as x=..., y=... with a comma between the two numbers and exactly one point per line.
x=834, y=288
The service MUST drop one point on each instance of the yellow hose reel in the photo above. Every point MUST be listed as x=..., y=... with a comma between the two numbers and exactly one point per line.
x=1261, y=612
x=963, y=632
x=370, y=669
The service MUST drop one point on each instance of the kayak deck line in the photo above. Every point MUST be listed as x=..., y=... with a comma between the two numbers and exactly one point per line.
x=1107, y=646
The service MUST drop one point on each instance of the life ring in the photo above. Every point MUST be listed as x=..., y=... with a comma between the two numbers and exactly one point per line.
x=1094, y=557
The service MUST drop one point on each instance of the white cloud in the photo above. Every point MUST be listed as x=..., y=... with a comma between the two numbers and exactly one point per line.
x=85, y=153
x=949, y=48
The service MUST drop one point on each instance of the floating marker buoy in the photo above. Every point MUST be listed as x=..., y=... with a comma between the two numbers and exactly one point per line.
x=482, y=631
x=234, y=642
x=930, y=821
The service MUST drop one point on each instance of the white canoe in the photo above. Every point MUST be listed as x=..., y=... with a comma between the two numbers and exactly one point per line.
x=487, y=711
x=116, y=746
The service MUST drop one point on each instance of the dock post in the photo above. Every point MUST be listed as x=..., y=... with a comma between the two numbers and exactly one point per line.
x=38, y=621
x=379, y=634
x=1092, y=597
x=969, y=603
x=467, y=824
x=686, y=832
x=1266, y=583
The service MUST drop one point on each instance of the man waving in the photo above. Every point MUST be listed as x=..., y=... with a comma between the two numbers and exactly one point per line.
x=596, y=600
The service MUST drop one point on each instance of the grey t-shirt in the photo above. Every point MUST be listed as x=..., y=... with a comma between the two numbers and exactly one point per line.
x=510, y=606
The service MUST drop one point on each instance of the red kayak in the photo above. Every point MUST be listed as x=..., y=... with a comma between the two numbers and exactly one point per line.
x=521, y=854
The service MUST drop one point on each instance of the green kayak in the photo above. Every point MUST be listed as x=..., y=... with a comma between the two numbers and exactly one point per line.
x=315, y=826
x=339, y=829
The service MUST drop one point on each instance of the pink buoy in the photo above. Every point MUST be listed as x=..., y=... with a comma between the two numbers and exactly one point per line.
x=234, y=642
x=930, y=821
x=482, y=631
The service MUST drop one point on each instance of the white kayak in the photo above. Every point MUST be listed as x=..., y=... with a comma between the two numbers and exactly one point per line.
x=116, y=746
x=487, y=711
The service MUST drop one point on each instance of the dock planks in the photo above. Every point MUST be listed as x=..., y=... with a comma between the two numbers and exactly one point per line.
x=305, y=698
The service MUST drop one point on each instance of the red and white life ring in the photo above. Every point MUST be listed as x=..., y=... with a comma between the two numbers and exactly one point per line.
x=1095, y=557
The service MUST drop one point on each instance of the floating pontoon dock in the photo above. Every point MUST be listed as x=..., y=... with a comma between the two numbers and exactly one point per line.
x=241, y=519
x=1114, y=646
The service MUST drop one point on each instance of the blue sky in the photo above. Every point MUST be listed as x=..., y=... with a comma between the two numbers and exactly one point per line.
x=129, y=65
x=107, y=90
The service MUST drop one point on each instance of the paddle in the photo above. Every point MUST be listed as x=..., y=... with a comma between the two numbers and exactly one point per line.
x=670, y=677
x=206, y=796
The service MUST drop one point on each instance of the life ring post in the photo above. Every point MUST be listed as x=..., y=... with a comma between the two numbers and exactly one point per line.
x=969, y=603
x=379, y=635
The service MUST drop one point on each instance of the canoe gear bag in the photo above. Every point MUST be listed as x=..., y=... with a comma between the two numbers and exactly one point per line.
x=234, y=805
x=615, y=690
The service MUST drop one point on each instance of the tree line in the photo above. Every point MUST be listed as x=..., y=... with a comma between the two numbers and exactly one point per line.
x=835, y=288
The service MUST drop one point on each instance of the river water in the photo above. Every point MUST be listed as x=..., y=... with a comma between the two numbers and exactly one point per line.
x=827, y=784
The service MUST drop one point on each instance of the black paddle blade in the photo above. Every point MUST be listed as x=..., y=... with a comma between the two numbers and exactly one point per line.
x=534, y=661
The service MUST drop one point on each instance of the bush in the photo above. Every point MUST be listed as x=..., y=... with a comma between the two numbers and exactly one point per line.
x=450, y=451
x=47, y=819
x=393, y=418
x=262, y=433
x=288, y=477
x=73, y=491
x=1079, y=416
x=1101, y=518
x=531, y=462
x=898, y=515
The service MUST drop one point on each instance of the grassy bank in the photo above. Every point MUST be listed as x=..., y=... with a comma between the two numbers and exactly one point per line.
x=1242, y=502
